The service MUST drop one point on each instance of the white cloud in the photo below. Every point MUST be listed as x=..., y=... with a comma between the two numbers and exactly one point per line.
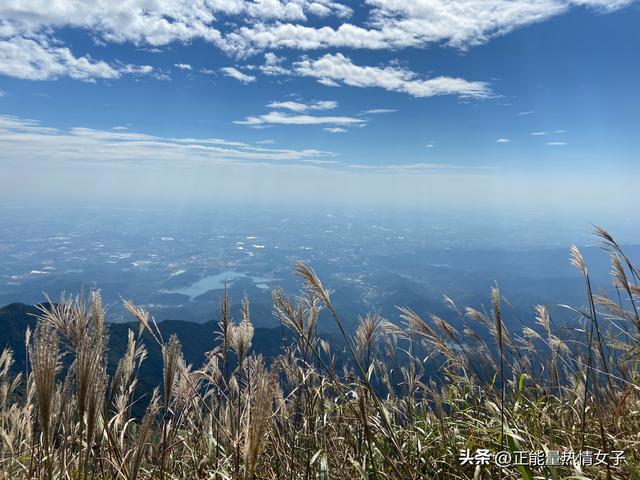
x=337, y=68
x=136, y=69
x=134, y=21
x=324, y=105
x=293, y=106
x=155, y=23
x=29, y=140
x=182, y=66
x=3, y=94
x=430, y=145
x=335, y=130
x=394, y=24
x=328, y=83
x=253, y=26
x=238, y=75
x=319, y=10
x=528, y=112
x=304, y=107
x=9, y=122
x=201, y=171
x=604, y=5
x=162, y=76
x=417, y=168
x=279, y=118
x=322, y=162
x=293, y=10
x=556, y=144
x=270, y=9
x=503, y=140
x=542, y=133
x=380, y=110
x=39, y=60
x=273, y=65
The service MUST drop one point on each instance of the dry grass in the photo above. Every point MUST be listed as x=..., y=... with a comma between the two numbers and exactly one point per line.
x=300, y=417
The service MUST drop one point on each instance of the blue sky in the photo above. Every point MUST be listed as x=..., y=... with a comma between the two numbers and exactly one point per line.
x=531, y=104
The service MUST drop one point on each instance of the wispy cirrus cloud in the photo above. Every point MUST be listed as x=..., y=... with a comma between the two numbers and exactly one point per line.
x=28, y=140
x=237, y=74
x=280, y=118
x=420, y=167
x=376, y=111
x=338, y=69
x=304, y=107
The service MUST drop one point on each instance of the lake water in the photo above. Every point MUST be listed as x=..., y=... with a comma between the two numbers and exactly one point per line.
x=216, y=282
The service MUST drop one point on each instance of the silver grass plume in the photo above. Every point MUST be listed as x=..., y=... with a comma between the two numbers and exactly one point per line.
x=242, y=334
x=171, y=356
x=44, y=358
x=260, y=411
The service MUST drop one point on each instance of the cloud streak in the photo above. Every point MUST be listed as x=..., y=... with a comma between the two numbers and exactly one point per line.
x=238, y=75
x=280, y=118
x=375, y=111
x=28, y=140
x=338, y=69
x=304, y=107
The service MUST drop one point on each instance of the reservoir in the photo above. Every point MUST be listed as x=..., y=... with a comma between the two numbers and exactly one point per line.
x=216, y=282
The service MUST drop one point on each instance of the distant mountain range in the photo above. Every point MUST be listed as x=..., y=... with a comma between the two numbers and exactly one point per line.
x=196, y=339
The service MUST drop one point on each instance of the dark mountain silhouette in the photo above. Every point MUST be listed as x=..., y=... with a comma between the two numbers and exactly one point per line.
x=196, y=338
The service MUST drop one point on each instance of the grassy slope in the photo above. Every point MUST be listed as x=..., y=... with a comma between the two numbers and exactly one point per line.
x=542, y=387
